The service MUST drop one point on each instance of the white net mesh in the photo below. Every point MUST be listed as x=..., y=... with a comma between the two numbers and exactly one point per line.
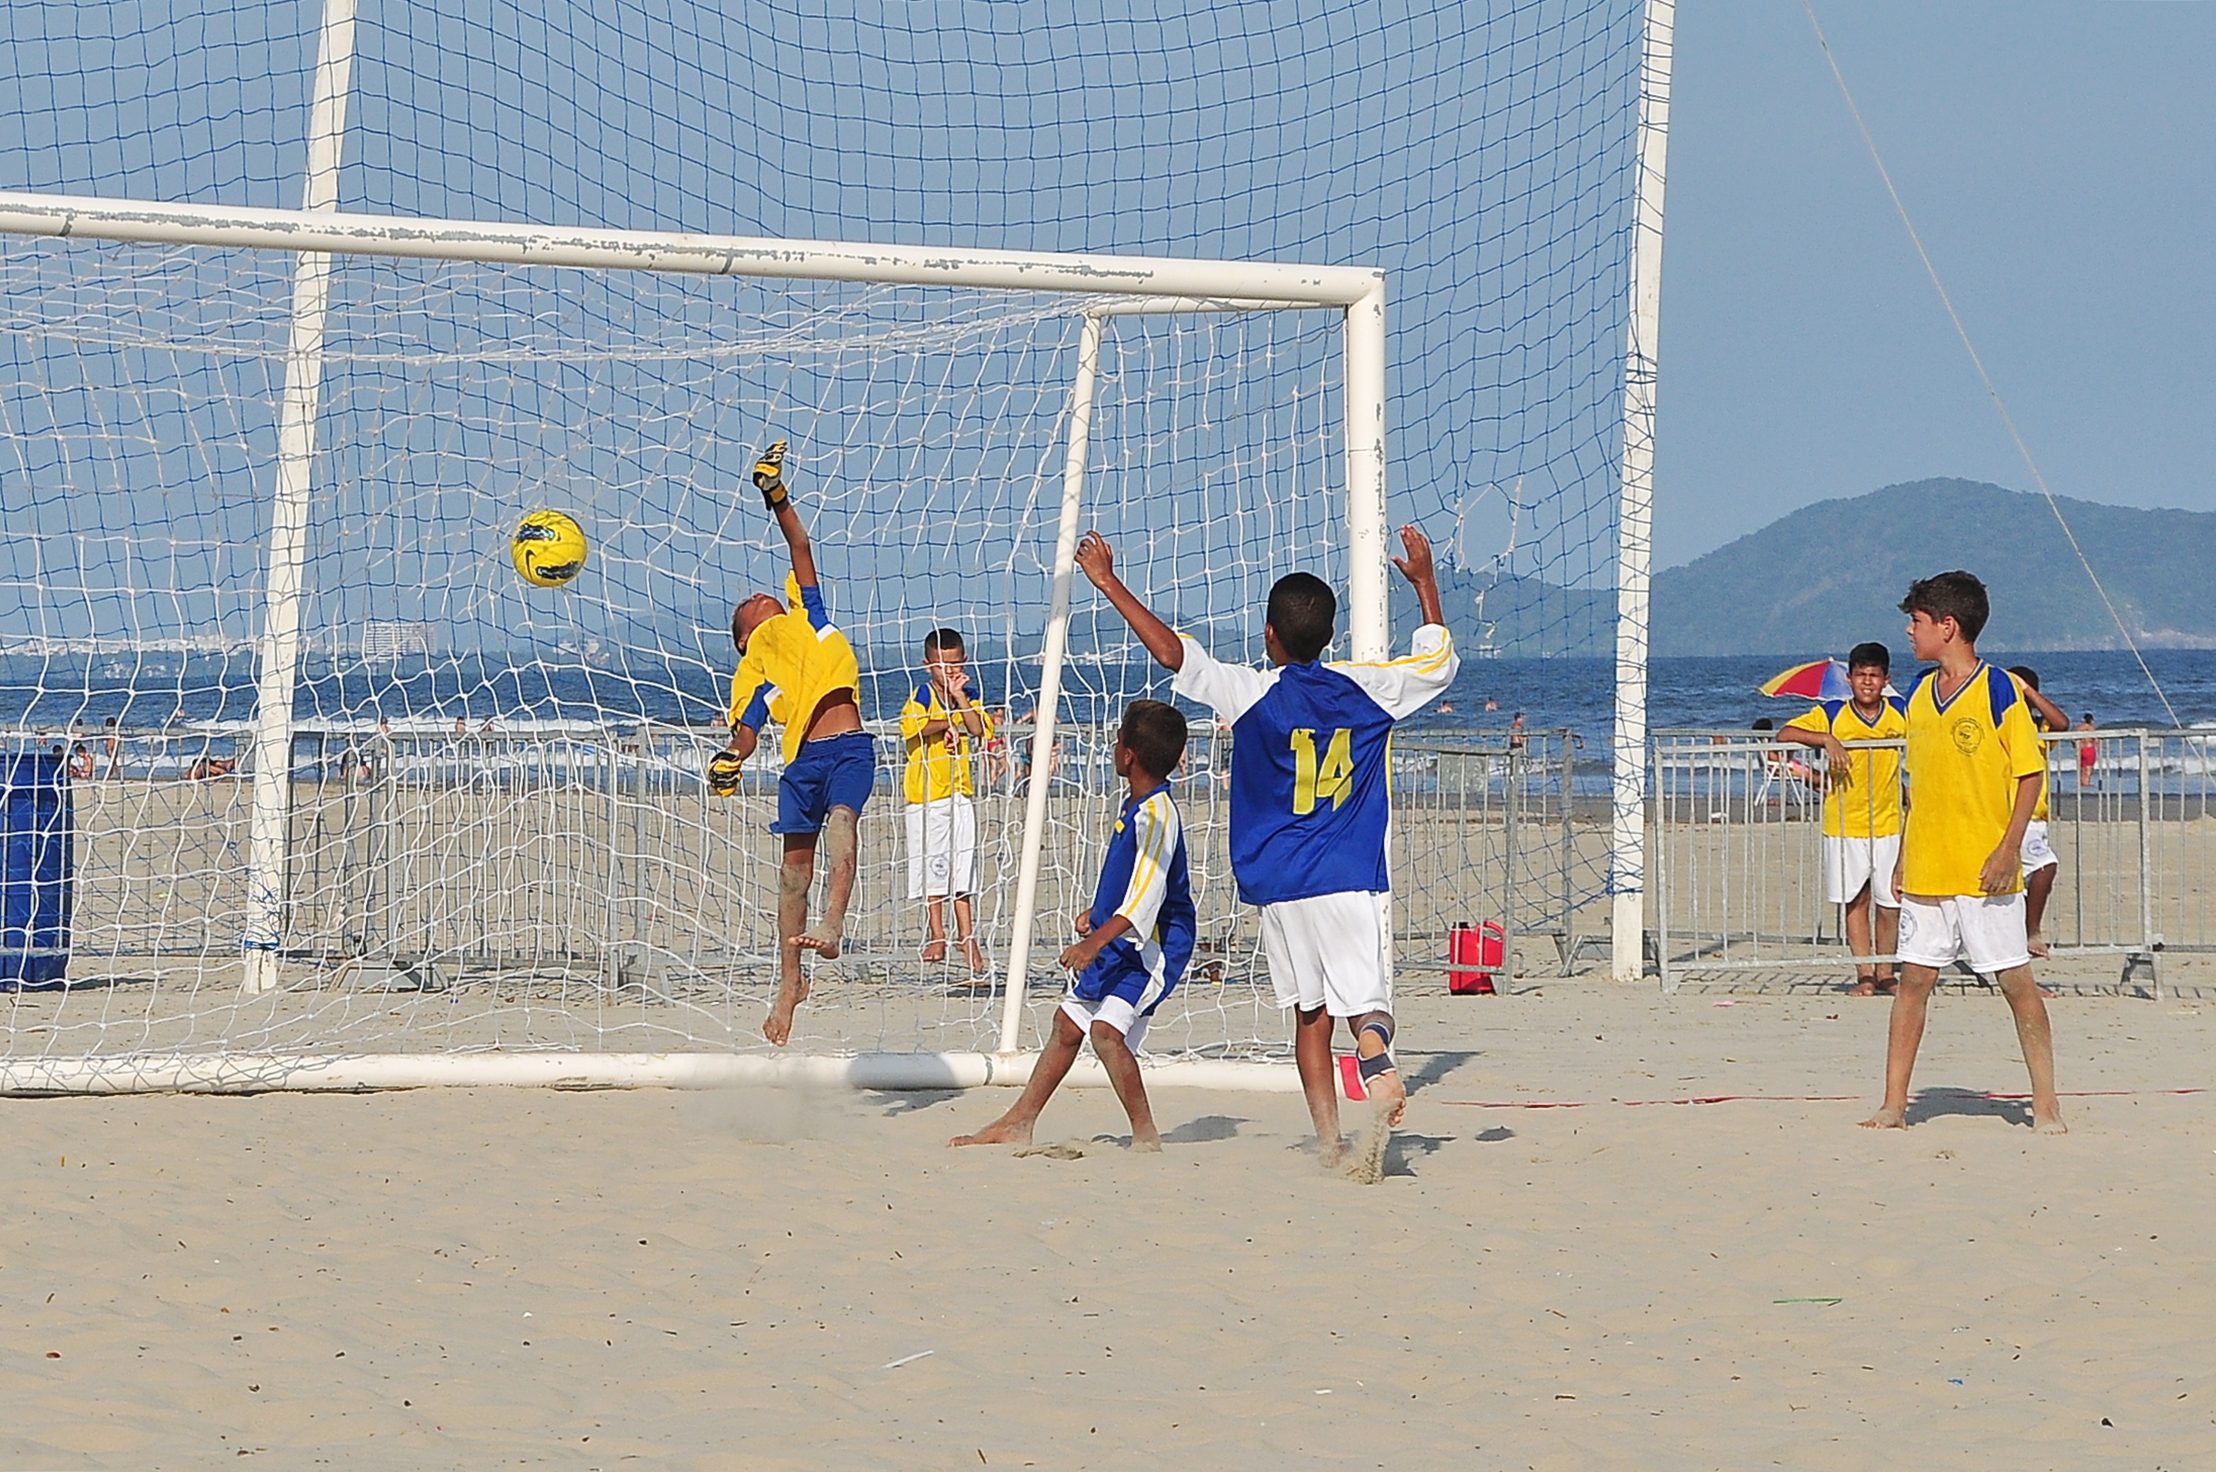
x=500, y=837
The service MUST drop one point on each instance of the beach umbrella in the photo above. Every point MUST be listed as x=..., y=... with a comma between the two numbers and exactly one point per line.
x=1819, y=679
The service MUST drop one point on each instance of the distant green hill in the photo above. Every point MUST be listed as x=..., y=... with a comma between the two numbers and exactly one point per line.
x=1825, y=576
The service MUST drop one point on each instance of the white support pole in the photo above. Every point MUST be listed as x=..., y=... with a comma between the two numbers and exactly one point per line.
x=270, y=832
x=1635, y=513
x=1050, y=682
x=1367, y=621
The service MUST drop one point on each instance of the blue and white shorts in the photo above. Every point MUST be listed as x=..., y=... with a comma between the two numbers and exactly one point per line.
x=830, y=772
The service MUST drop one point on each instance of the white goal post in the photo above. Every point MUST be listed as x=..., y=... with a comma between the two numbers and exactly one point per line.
x=1099, y=288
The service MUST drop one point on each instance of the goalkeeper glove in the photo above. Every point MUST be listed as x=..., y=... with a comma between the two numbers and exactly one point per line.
x=769, y=476
x=723, y=773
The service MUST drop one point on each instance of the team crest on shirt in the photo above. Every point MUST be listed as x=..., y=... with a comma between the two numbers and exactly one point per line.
x=1968, y=736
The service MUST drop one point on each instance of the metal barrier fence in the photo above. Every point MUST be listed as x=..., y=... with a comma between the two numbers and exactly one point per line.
x=1739, y=854
x=595, y=851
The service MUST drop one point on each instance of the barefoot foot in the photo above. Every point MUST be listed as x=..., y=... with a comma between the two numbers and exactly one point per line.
x=826, y=946
x=933, y=952
x=2051, y=1125
x=2036, y=943
x=1864, y=986
x=778, y=1026
x=1887, y=1119
x=973, y=953
x=1388, y=1106
x=1002, y=1131
x=1148, y=1144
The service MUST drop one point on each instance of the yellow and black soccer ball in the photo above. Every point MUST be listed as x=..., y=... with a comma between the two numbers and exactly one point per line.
x=548, y=548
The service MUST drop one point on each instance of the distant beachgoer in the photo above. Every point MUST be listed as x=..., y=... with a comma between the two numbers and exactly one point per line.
x=2089, y=753
x=2040, y=864
x=206, y=768
x=80, y=761
x=1862, y=809
x=1491, y=704
x=1516, y=735
x=114, y=738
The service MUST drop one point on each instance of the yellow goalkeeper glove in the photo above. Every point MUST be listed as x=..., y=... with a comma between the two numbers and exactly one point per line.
x=769, y=476
x=723, y=773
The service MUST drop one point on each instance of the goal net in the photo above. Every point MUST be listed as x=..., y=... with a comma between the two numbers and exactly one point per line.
x=497, y=835
x=471, y=824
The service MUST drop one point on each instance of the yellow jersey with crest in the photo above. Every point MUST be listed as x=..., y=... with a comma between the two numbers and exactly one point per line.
x=1869, y=805
x=936, y=769
x=1966, y=755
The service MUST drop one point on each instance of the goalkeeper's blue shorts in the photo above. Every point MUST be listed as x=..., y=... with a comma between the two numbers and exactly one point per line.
x=830, y=772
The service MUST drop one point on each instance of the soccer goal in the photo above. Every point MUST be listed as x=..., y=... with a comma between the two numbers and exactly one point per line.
x=366, y=808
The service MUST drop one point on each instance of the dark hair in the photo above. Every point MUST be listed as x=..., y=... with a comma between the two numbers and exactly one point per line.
x=1870, y=655
x=1155, y=732
x=1764, y=723
x=1957, y=595
x=738, y=635
x=1302, y=611
x=939, y=641
x=2025, y=673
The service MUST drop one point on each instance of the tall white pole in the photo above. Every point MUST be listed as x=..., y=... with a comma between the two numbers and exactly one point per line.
x=1635, y=512
x=1367, y=628
x=270, y=833
x=1050, y=682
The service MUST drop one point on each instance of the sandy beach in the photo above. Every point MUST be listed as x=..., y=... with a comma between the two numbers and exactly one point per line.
x=756, y=1278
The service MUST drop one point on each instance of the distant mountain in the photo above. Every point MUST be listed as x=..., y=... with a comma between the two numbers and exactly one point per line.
x=1829, y=575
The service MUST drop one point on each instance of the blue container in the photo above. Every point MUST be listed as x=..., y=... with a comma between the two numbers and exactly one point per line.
x=38, y=870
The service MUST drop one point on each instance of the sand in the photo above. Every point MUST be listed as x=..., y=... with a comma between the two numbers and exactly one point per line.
x=753, y=1278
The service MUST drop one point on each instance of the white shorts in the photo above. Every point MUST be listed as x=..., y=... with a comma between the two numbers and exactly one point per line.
x=1119, y=1013
x=2038, y=848
x=1985, y=930
x=942, y=847
x=1332, y=951
x=1850, y=863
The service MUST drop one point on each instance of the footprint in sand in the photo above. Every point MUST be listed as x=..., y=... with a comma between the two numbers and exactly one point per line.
x=1054, y=1152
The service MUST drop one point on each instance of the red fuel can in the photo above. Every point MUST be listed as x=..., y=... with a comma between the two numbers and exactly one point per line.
x=1474, y=956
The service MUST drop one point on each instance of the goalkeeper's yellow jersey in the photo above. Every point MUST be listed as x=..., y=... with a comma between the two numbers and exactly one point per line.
x=791, y=663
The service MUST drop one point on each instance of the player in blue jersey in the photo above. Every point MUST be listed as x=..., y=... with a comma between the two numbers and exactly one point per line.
x=1309, y=811
x=1134, y=942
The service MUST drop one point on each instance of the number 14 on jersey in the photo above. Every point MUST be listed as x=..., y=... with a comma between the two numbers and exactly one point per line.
x=1325, y=781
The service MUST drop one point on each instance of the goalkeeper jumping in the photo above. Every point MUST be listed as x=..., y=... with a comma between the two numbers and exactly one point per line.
x=797, y=669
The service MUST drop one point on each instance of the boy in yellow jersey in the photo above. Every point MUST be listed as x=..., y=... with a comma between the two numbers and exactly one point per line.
x=1976, y=766
x=797, y=669
x=2041, y=867
x=936, y=726
x=1862, y=808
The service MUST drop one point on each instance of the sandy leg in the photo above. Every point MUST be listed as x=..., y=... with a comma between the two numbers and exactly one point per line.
x=2035, y=1034
x=1319, y=1081
x=1123, y=1072
x=1014, y=1127
x=794, y=871
x=825, y=937
x=1903, y=1036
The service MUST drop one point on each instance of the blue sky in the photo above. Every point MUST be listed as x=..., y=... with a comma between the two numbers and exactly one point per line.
x=2060, y=162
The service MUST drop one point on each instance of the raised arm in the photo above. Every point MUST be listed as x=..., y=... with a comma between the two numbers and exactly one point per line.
x=1098, y=562
x=769, y=479
x=1416, y=567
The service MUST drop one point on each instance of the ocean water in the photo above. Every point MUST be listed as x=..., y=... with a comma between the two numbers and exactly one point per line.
x=167, y=690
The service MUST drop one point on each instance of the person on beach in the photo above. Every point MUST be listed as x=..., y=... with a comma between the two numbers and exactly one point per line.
x=936, y=727
x=797, y=669
x=1133, y=944
x=1310, y=806
x=2041, y=867
x=1975, y=766
x=1862, y=809
x=2088, y=752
